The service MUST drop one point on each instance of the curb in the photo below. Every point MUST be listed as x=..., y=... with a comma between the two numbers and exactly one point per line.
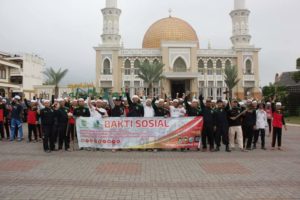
x=294, y=125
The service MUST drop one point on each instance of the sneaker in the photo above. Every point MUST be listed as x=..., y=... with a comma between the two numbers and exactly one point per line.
x=243, y=150
x=248, y=149
x=280, y=149
x=228, y=149
x=263, y=148
x=217, y=149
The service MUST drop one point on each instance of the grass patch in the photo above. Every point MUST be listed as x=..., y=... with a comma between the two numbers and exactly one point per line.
x=292, y=120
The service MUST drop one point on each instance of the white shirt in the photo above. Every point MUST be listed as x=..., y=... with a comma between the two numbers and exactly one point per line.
x=148, y=111
x=95, y=112
x=177, y=112
x=261, y=119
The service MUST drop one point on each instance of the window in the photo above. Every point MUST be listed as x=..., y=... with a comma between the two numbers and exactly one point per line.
x=127, y=67
x=219, y=67
x=219, y=89
x=2, y=73
x=210, y=67
x=201, y=67
x=106, y=67
x=227, y=63
x=137, y=63
x=179, y=65
x=201, y=88
x=155, y=62
x=248, y=67
x=146, y=61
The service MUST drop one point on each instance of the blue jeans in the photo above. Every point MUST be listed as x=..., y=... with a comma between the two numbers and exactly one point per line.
x=13, y=124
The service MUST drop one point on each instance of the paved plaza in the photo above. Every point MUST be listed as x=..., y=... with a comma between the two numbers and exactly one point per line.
x=26, y=172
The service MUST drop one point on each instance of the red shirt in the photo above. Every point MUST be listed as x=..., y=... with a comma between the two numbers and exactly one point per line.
x=1, y=115
x=31, y=117
x=278, y=120
x=71, y=119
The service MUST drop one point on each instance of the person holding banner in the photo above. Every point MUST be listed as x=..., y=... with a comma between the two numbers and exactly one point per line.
x=159, y=109
x=136, y=109
x=194, y=109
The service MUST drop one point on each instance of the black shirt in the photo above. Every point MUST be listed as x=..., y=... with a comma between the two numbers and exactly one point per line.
x=47, y=116
x=81, y=112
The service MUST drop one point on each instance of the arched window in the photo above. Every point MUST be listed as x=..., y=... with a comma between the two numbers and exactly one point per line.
x=179, y=65
x=106, y=67
x=219, y=67
x=127, y=67
x=210, y=67
x=137, y=63
x=201, y=67
x=227, y=63
x=248, y=67
x=146, y=61
x=155, y=62
x=2, y=73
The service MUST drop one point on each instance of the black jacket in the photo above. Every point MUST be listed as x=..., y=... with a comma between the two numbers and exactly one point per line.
x=47, y=116
x=135, y=109
x=81, y=112
x=159, y=111
x=191, y=111
x=62, y=115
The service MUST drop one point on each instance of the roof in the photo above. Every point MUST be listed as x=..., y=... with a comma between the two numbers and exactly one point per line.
x=286, y=79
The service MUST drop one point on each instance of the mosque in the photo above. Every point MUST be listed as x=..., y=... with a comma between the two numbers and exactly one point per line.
x=187, y=67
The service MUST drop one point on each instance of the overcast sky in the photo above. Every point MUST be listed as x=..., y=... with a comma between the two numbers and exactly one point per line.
x=64, y=32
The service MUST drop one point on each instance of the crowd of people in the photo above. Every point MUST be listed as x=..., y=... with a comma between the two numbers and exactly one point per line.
x=225, y=122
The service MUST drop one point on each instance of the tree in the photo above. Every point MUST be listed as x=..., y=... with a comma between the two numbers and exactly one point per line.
x=150, y=73
x=54, y=77
x=272, y=90
x=231, y=78
x=296, y=76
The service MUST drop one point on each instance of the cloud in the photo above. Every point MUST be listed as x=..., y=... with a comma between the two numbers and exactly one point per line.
x=64, y=32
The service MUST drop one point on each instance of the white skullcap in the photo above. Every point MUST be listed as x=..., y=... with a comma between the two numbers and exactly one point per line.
x=195, y=100
x=214, y=101
x=4, y=100
x=225, y=101
x=74, y=100
x=241, y=103
x=1, y=97
x=176, y=100
x=180, y=99
x=254, y=102
x=156, y=102
x=125, y=99
x=93, y=101
x=33, y=101
x=80, y=99
x=161, y=100
x=268, y=103
x=17, y=97
x=99, y=101
x=46, y=101
x=278, y=104
x=66, y=98
x=114, y=98
x=135, y=96
x=105, y=101
x=60, y=99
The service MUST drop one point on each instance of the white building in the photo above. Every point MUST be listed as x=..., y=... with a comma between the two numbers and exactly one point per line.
x=29, y=73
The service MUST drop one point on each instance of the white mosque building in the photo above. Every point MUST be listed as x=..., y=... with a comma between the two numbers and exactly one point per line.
x=187, y=66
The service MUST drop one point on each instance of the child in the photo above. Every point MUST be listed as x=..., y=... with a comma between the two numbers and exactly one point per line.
x=278, y=122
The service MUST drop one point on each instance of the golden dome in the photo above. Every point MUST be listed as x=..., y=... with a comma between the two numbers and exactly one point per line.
x=169, y=29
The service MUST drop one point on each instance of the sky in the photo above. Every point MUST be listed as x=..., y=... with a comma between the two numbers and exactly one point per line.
x=64, y=32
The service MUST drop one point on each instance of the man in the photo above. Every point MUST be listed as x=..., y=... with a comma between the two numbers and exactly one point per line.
x=136, y=109
x=261, y=125
x=249, y=124
x=2, y=117
x=148, y=109
x=176, y=109
x=47, y=122
x=81, y=110
x=235, y=125
x=221, y=122
x=7, y=117
x=71, y=123
x=117, y=108
x=16, y=118
x=194, y=109
x=159, y=109
x=61, y=113
x=208, y=125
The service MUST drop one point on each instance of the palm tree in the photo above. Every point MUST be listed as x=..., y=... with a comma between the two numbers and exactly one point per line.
x=150, y=74
x=231, y=78
x=272, y=90
x=54, y=77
